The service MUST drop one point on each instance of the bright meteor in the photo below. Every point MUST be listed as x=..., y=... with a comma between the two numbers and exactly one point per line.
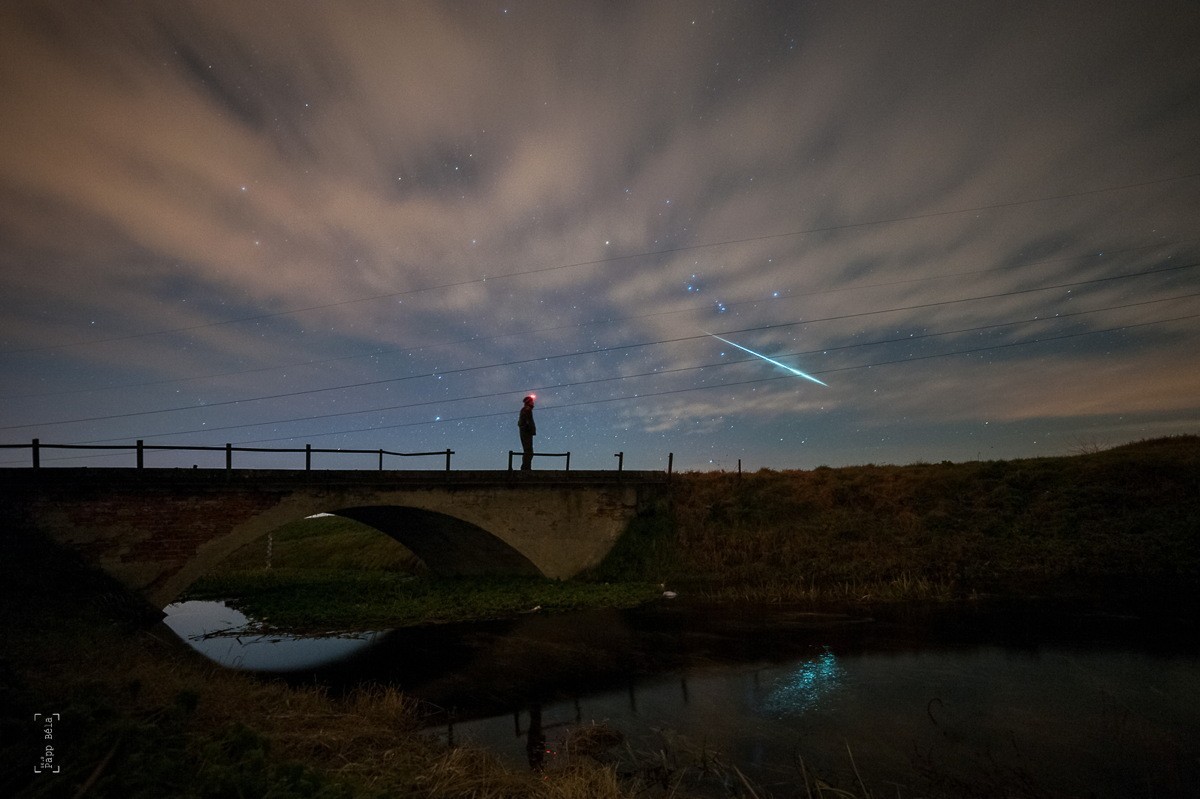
x=796, y=372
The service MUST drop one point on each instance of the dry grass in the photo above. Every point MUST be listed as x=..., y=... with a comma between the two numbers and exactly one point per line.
x=471, y=774
x=162, y=703
x=1124, y=517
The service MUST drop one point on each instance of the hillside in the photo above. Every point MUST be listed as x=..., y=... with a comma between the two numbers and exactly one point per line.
x=1121, y=521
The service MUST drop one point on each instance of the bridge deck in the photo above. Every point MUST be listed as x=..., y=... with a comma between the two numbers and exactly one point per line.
x=16, y=478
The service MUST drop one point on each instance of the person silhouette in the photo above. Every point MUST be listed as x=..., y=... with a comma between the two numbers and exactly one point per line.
x=528, y=430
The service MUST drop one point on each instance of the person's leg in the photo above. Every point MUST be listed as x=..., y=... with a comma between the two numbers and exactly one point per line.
x=527, y=455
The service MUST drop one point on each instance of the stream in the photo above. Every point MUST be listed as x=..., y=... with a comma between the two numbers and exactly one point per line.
x=1024, y=697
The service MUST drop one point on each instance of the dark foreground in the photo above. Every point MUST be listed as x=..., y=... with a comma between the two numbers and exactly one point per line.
x=135, y=713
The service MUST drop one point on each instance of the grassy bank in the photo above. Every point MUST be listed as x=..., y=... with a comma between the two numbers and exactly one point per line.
x=1119, y=522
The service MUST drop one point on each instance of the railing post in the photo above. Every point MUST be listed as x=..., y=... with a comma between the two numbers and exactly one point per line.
x=568, y=461
x=449, y=452
x=141, y=454
x=381, y=459
x=228, y=456
x=308, y=457
x=620, y=456
x=36, y=447
x=510, y=456
x=670, y=462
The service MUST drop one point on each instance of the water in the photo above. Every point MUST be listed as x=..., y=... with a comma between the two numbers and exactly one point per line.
x=227, y=636
x=1077, y=703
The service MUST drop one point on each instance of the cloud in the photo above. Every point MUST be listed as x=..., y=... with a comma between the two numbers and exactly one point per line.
x=526, y=184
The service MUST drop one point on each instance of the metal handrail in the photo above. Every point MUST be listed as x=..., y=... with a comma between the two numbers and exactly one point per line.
x=140, y=447
x=36, y=446
x=566, y=455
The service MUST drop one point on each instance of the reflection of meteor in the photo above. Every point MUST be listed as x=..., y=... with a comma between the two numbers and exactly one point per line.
x=796, y=372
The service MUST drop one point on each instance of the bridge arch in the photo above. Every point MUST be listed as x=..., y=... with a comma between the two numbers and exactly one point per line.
x=158, y=530
x=447, y=544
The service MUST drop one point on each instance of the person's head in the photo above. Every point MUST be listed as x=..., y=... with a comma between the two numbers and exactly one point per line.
x=529, y=400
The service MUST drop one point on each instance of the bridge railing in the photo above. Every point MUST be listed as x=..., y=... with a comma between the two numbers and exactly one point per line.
x=620, y=456
x=36, y=447
x=567, y=455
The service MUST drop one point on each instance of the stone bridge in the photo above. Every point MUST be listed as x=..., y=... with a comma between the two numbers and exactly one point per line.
x=158, y=530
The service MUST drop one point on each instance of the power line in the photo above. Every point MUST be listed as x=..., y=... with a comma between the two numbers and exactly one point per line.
x=617, y=348
x=655, y=373
x=610, y=259
x=751, y=382
x=611, y=320
x=734, y=384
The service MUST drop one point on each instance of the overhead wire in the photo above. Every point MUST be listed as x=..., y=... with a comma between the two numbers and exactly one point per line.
x=555, y=328
x=729, y=362
x=641, y=396
x=662, y=372
x=615, y=348
x=689, y=389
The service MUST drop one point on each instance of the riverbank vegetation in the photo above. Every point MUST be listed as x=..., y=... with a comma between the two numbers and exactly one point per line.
x=322, y=599
x=1116, y=523
x=141, y=715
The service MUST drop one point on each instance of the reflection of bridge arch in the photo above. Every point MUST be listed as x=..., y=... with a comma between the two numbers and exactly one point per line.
x=158, y=530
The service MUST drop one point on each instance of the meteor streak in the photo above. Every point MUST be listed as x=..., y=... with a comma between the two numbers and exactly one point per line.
x=796, y=372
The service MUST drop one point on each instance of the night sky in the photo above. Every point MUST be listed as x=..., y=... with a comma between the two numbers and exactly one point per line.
x=365, y=225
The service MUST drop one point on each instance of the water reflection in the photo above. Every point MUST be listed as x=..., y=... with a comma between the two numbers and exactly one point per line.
x=535, y=738
x=226, y=636
x=805, y=687
x=1081, y=723
x=1082, y=705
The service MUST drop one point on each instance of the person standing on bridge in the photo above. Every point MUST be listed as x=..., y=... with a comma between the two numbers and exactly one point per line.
x=528, y=430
